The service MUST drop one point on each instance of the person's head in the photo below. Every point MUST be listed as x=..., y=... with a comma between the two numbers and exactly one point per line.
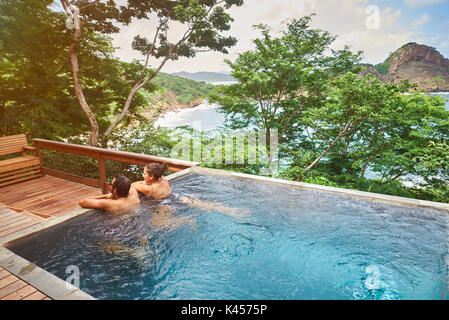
x=120, y=186
x=154, y=171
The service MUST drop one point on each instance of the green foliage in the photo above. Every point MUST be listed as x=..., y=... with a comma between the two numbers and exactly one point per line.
x=205, y=22
x=186, y=90
x=36, y=87
x=321, y=181
x=382, y=68
x=281, y=78
x=29, y=89
x=433, y=166
x=145, y=139
x=334, y=127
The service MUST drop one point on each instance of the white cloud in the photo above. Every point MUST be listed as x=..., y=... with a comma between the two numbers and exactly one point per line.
x=345, y=18
x=423, y=19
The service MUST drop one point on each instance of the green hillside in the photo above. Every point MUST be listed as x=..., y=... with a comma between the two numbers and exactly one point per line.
x=186, y=90
x=205, y=76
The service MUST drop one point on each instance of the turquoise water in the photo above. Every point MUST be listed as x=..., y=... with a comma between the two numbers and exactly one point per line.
x=251, y=240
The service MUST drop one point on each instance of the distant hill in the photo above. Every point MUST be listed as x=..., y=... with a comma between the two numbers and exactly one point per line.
x=205, y=76
x=182, y=89
x=416, y=63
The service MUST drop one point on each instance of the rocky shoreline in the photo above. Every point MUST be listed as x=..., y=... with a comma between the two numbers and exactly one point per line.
x=167, y=103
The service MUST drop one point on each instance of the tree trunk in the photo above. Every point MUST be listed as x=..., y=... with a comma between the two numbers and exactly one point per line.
x=365, y=166
x=401, y=173
x=268, y=144
x=123, y=113
x=139, y=85
x=94, y=130
x=325, y=152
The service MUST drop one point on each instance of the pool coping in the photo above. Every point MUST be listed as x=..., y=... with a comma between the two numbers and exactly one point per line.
x=40, y=279
x=58, y=289
x=302, y=185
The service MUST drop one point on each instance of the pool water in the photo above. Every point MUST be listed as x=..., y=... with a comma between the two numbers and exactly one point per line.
x=251, y=240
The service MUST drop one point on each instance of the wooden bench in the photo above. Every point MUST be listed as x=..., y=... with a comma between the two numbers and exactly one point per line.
x=19, y=168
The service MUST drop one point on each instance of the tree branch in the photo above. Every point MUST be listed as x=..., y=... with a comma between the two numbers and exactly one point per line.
x=343, y=132
x=137, y=87
x=89, y=5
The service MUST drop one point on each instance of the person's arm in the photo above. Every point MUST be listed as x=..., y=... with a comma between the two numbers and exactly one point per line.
x=133, y=191
x=100, y=202
x=103, y=196
x=141, y=186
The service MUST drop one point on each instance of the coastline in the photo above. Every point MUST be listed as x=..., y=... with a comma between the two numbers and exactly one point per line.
x=161, y=109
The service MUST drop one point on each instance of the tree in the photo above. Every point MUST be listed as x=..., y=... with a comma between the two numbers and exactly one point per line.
x=87, y=17
x=33, y=78
x=204, y=21
x=282, y=78
x=355, y=124
x=367, y=124
x=433, y=166
x=36, y=84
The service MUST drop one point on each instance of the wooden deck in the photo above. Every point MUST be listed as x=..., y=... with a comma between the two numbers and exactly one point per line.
x=45, y=197
x=25, y=204
x=12, y=288
x=12, y=221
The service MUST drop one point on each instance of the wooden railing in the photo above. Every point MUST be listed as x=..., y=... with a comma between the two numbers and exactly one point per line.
x=101, y=155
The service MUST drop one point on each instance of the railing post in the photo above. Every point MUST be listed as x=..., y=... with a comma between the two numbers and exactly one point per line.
x=39, y=155
x=102, y=169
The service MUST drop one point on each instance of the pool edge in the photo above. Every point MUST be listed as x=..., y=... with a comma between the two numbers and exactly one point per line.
x=40, y=279
x=349, y=192
x=59, y=289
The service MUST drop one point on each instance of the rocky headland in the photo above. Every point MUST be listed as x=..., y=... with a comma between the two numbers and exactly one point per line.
x=417, y=63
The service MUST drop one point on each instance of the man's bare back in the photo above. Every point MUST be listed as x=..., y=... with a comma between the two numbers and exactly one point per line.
x=123, y=196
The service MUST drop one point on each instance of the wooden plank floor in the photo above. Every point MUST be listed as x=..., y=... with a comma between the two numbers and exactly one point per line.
x=11, y=221
x=46, y=196
x=25, y=204
x=12, y=288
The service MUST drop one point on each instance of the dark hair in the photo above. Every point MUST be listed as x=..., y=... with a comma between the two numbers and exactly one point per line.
x=156, y=169
x=122, y=185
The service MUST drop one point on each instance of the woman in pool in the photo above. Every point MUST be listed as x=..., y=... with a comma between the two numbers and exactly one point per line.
x=154, y=183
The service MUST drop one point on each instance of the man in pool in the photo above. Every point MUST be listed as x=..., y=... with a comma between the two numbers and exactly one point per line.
x=122, y=196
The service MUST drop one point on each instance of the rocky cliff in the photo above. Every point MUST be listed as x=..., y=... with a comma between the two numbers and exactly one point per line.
x=168, y=102
x=416, y=63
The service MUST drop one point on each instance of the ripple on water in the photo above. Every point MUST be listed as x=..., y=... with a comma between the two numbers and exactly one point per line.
x=289, y=244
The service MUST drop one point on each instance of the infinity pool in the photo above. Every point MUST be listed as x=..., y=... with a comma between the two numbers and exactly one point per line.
x=227, y=238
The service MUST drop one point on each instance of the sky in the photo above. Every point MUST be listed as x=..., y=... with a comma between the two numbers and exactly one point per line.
x=377, y=27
